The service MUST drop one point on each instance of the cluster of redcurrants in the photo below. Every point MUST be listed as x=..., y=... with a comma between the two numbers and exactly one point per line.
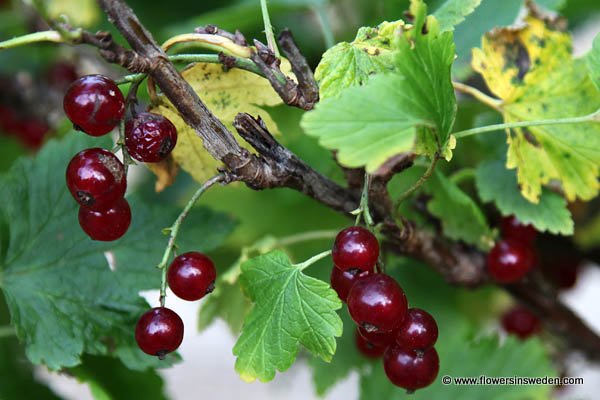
x=96, y=177
x=159, y=331
x=386, y=326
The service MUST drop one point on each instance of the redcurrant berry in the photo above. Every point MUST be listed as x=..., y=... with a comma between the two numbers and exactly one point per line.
x=418, y=331
x=367, y=348
x=355, y=247
x=96, y=178
x=383, y=339
x=509, y=261
x=108, y=224
x=342, y=281
x=32, y=133
x=513, y=229
x=159, y=332
x=150, y=137
x=191, y=276
x=521, y=322
x=377, y=303
x=411, y=369
x=94, y=104
x=61, y=74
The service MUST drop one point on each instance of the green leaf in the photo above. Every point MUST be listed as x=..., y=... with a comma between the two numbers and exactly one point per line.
x=461, y=217
x=497, y=184
x=64, y=298
x=346, y=359
x=593, y=61
x=464, y=357
x=17, y=380
x=453, y=12
x=368, y=124
x=290, y=308
x=353, y=64
x=531, y=68
x=108, y=379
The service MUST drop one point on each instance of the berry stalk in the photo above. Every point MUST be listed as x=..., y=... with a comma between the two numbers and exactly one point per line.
x=174, y=231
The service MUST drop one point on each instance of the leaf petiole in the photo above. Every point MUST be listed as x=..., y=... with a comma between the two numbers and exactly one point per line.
x=303, y=265
x=268, y=28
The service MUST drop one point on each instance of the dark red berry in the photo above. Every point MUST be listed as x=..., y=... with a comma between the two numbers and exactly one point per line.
x=159, y=332
x=509, y=261
x=411, y=369
x=521, y=322
x=150, y=137
x=383, y=339
x=513, y=229
x=94, y=104
x=32, y=132
x=377, y=303
x=367, y=348
x=418, y=331
x=9, y=119
x=108, y=224
x=61, y=74
x=192, y=275
x=342, y=281
x=96, y=178
x=355, y=247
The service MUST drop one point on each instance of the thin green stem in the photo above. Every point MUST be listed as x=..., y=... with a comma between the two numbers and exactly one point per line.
x=306, y=236
x=363, y=208
x=325, y=25
x=593, y=117
x=7, y=331
x=418, y=183
x=496, y=104
x=268, y=28
x=241, y=63
x=462, y=175
x=36, y=37
x=174, y=231
x=303, y=265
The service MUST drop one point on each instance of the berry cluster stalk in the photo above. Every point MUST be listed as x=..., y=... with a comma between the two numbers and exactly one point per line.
x=174, y=231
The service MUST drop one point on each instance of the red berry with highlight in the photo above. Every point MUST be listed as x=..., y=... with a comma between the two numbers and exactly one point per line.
x=94, y=104
x=418, y=331
x=96, y=178
x=159, y=332
x=509, y=261
x=521, y=322
x=342, y=281
x=383, y=339
x=367, y=348
x=355, y=247
x=512, y=228
x=108, y=224
x=377, y=303
x=150, y=137
x=191, y=276
x=411, y=369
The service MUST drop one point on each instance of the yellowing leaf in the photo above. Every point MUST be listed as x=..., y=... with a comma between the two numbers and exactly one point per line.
x=226, y=93
x=530, y=67
x=80, y=12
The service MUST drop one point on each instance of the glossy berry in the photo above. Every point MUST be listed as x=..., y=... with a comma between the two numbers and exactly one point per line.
x=94, y=104
x=96, y=178
x=355, y=247
x=383, y=339
x=367, y=348
x=411, y=369
x=377, y=303
x=418, y=331
x=521, y=322
x=108, y=224
x=191, y=276
x=513, y=229
x=342, y=281
x=150, y=137
x=509, y=261
x=159, y=332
